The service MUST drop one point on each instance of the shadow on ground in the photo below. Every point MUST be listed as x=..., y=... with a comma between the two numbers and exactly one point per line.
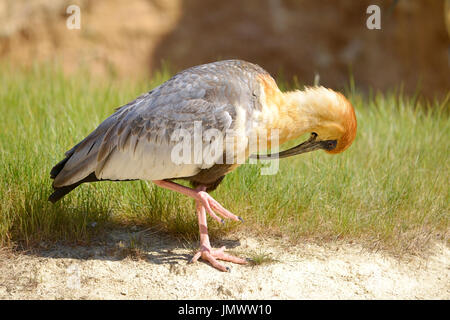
x=153, y=246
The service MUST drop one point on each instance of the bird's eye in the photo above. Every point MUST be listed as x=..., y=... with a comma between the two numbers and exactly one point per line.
x=331, y=144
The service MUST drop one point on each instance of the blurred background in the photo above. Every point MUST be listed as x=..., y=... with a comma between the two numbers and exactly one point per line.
x=289, y=38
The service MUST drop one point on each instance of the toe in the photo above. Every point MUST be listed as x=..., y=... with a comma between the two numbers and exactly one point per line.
x=216, y=264
x=196, y=257
x=221, y=210
x=230, y=258
x=221, y=255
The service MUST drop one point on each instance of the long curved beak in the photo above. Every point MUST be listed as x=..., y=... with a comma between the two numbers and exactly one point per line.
x=309, y=145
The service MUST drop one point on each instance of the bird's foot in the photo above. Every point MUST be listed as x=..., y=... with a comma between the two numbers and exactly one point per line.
x=211, y=205
x=212, y=255
x=201, y=196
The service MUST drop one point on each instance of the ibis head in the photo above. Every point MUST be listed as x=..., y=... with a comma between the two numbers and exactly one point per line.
x=327, y=115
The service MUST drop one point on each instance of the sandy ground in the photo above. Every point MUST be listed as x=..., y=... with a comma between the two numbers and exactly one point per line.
x=158, y=269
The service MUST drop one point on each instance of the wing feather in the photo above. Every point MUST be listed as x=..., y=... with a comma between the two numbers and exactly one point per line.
x=135, y=142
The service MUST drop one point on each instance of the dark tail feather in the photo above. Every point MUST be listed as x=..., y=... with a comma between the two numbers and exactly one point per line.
x=61, y=192
x=58, y=167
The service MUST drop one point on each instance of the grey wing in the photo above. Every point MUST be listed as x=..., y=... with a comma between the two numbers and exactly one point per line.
x=137, y=141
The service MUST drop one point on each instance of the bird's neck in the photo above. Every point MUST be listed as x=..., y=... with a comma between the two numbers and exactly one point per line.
x=292, y=113
x=297, y=115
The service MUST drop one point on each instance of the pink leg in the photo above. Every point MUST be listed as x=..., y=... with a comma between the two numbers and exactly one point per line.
x=205, y=251
x=201, y=195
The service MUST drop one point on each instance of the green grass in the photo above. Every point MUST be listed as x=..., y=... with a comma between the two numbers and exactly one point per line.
x=257, y=258
x=389, y=190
